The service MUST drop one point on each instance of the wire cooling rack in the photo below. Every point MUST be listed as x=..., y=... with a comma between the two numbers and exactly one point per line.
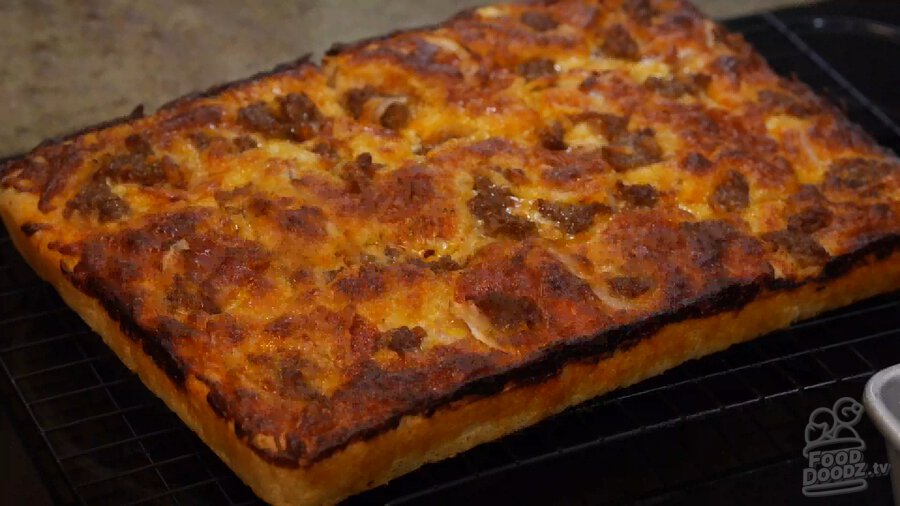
x=724, y=429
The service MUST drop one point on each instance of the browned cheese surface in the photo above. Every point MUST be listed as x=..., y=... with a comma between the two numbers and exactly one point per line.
x=427, y=215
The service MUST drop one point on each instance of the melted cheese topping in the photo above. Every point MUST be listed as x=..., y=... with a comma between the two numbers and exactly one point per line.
x=330, y=247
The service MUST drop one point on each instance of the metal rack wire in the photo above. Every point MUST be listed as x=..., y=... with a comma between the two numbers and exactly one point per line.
x=702, y=431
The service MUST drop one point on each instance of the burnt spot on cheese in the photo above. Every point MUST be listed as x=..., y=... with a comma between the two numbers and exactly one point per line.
x=810, y=219
x=364, y=336
x=572, y=218
x=428, y=58
x=406, y=192
x=218, y=403
x=327, y=151
x=332, y=274
x=297, y=118
x=637, y=195
x=491, y=204
x=515, y=175
x=245, y=143
x=509, y=312
x=641, y=11
x=108, y=277
x=669, y=87
x=734, y=68
x=629, y=287
x=782, y=103
x=855, y=174
x=182, y=295
x=138, y=144
x=170, y=329
x=306, y=221
x=195, y=117
x=216, y=267
x=563, y=174
x=403, y=340
x=538, y=21
x=201, y=140
x=527, y=295
x=302, y=276
x=675, y=87
x=392, y=253
x=224, y=197
x=29, y=228
x=864, y=221
x=97, y=197
x=683, y=260
x=292, y=382
x=808, y=195
x=161, y=232
x=768, y=170
x=224, y=328
x=444, y=263
x=283, y=326
x=261, y=206
x=366, y=283
x=618, y=43
x=259, y=118
x=805, y=250
x=588, y=83
x=695, y=163
x=837, y=132
x=552, y=137
x=611, y=126
x=703, y=130
x=633, y=150
x=732, y=194
x=216, y=146
x=559, y=282
x=536, y=68
x=698, y=82
x=708, y=241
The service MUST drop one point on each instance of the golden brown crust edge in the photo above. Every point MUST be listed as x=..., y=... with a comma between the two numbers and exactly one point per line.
x=467, y=422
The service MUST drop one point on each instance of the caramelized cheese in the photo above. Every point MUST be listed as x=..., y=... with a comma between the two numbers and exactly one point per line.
x=332, y=247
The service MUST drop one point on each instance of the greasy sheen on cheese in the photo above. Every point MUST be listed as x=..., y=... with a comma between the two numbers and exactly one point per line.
x=447, y=211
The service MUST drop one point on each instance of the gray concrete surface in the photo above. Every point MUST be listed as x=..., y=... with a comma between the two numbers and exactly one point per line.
x=67, y=64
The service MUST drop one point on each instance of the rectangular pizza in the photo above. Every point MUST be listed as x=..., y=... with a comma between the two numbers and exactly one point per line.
x=337, y=272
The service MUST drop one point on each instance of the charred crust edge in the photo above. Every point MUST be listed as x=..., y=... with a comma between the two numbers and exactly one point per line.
x=548, y=364
x=153, y=342
x=588, y=349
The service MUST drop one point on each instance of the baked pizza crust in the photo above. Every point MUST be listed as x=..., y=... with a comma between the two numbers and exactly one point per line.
x=466, y=422
x=444, y=235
